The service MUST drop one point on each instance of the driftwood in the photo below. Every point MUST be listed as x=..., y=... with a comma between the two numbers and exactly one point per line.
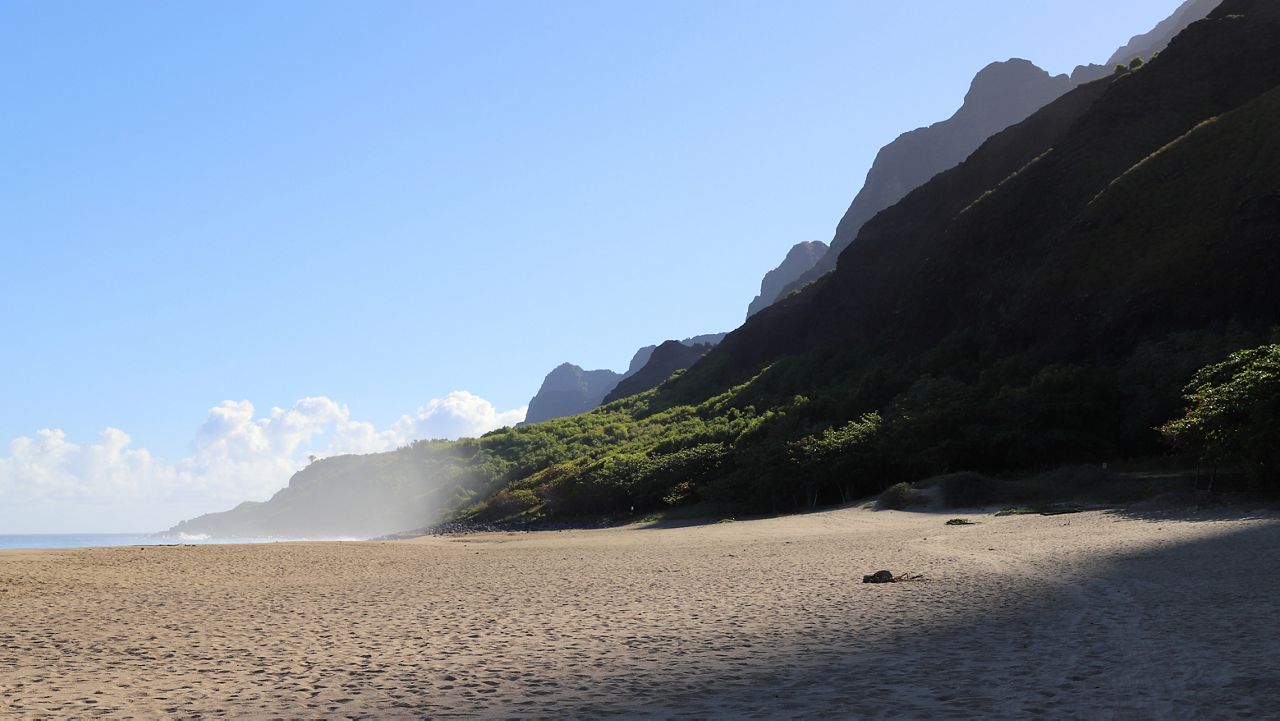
x=888, y=577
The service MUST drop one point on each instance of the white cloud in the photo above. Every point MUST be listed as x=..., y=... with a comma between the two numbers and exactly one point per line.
x=49, y=483
x=460, y=414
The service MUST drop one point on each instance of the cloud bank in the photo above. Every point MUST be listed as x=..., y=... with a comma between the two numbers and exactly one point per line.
x=49, y=483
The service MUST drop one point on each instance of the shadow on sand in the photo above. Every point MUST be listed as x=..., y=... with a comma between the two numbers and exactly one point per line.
x=1183, y=630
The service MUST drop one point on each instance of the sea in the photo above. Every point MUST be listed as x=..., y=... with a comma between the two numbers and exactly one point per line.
x=103, y=540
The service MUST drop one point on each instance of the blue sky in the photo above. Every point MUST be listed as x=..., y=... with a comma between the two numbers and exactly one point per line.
x=383, y=203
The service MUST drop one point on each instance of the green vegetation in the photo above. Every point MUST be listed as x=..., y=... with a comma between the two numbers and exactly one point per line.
x=960, y=522
x=1233, y=414
x=868, y=431
x=871, y=429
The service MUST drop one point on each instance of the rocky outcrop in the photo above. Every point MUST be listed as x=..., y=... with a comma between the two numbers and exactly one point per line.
x=569, y=390
x=800, y=260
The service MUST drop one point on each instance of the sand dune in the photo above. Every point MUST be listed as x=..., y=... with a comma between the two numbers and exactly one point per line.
x=1090, y=615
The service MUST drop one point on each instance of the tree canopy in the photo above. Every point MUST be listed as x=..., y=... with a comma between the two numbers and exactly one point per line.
x=1233, y=413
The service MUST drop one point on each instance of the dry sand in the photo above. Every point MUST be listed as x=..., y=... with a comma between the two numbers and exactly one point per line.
x=1092, y=615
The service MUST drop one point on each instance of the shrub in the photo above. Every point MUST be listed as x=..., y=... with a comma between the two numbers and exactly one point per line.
x=900, y=496
x=507, y=503
x=593, y=490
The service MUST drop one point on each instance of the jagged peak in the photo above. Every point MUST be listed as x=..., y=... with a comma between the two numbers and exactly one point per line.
x=993, y=82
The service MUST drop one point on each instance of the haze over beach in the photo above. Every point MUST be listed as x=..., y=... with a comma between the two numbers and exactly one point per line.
x=665, y=360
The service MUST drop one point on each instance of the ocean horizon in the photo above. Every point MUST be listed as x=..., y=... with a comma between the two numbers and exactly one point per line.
x=106, y=540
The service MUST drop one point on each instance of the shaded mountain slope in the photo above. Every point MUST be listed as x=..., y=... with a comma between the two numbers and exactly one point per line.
x=795, y=323
x=1001, y=95
x=1187, y=235
x=641, y=357
x=979, y=246
x=666, y=359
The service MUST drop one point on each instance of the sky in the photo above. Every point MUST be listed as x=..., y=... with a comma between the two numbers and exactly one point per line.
x=237, y=234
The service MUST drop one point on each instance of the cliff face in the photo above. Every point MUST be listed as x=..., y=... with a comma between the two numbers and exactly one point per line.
x=569, y=390
x=1129, y=208
x=800, y=260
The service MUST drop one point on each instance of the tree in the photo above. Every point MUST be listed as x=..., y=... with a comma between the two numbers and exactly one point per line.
x=1233, y=413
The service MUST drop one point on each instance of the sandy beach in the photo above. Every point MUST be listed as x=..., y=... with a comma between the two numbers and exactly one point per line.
x=1093, y=615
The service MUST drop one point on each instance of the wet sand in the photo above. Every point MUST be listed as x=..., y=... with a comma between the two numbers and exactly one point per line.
x=1093, y=615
